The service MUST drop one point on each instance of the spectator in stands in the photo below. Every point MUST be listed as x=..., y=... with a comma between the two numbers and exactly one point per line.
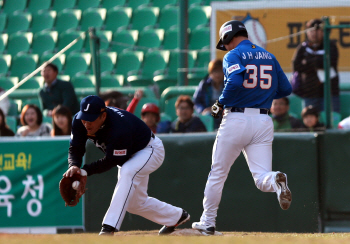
x=282, y=120
x=151, y=116
x=186, y=121
x=308, y=75
x=344, y=124
x=311, y=122
x=56, y=92
x=4, y=103
x=32, y=122
x=61, y=121
x=4, y=128
x=209, y=90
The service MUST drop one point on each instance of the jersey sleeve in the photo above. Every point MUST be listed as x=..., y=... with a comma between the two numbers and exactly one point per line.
x=284, y=87
x=77, y=143
x=234, y=76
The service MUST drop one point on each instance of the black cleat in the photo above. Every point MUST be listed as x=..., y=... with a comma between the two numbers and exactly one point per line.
x=107, y=230
x=166, y=230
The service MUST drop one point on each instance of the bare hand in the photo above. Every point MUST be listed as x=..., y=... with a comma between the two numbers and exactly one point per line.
x=138, y=94
x=49, y=113
x=71, y=171
x=206, y=111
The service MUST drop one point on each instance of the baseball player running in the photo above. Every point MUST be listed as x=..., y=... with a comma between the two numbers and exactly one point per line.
x=253, y=78
x=129, y=144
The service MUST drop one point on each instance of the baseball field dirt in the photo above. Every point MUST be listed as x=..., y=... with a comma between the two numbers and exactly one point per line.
x=179, y=237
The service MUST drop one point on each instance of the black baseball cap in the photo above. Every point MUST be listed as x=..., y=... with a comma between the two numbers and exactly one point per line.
x=90, y=108
x=227, y=32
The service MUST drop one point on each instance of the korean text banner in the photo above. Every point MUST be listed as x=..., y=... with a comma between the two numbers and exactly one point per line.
x=30, y=171
x=273, y=25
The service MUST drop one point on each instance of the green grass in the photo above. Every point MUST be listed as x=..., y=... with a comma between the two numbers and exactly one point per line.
x=150, y=237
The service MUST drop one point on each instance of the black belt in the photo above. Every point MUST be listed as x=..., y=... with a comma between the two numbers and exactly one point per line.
x=152, y=135
x=241, y=110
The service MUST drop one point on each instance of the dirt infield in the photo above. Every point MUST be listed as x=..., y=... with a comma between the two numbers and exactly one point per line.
x=178, y=237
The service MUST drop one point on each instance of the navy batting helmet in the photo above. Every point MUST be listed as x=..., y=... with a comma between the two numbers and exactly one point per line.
x=228, y=31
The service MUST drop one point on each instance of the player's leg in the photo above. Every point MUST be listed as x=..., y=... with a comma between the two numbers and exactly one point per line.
x=229, y=142
x=259, y=158
x=132, y=175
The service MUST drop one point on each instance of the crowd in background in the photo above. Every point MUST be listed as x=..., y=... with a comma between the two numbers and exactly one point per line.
x=60, y=102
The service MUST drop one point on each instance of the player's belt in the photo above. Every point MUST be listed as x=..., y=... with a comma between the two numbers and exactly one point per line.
x=241, y=110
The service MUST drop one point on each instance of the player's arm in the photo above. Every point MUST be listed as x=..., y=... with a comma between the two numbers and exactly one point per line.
x=77, y=144
x=117, y=153
x=232, y=87
x=284, y=88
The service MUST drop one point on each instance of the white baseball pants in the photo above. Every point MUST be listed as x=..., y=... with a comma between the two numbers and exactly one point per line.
x=251, y=133
x=131, y=195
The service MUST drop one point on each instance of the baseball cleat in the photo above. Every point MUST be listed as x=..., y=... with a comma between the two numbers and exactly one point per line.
x=166, y=230
x=107, y=230
x=284, y=195
x=206, y=230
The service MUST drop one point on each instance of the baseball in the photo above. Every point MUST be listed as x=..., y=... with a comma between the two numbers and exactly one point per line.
x=75, y=185
x=257, y=34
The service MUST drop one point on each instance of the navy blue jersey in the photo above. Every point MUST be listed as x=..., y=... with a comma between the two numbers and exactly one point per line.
x=253, y=78
x=121, y=135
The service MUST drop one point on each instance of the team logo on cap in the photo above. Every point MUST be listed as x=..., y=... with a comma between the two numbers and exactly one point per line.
x=87, y=107
x=226, y=29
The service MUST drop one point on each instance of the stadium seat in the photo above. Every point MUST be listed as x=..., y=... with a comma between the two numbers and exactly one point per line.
x=42, y=20
x=162, y=3
x=8, y=82
x=134, y=4
x=118, y=17
x=11, y=121
x=83, y=81
x=63, y=77
x=150, y=38
x=18, y=21
x=198, y=15
x=144, y=16
x=59, y=61
x=171, y=38
x=67, y=37
x=59, y=5
x=203, y=59
x=19, y=42
x=194, y=2
x=344, y=86
x=295, y=105
x=111, y=80
x=143, y=101
x=199, y=38
x=208, y=121
x=123, y=39
x=44, y=41
x=93, y=17
x=34, y=101
x=67, y=19
x=23, y=64
x=176, y=91
x=35, y=82
x=3, y=20
x=105, y=39
x=85, y=4
x=128, y=61
x=344, y=104
x=168, y=17
x=107, y=61
x=193, y=79
x=77, y=63
x=5, y=62
x=108, y=4
x=169, y=107
x=14, y=108
x=336, y=118
x=12, y=6
x=154, y=61
x=3, y=42
x=174, y=65
x=36, y=5
x=164, y=81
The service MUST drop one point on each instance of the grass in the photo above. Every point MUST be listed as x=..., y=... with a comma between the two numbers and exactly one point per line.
x=150, y=237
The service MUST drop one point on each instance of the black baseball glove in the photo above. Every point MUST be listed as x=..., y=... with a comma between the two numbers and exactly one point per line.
x=216, y=108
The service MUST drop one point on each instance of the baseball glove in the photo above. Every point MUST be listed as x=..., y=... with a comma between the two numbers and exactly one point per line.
x=69, y=195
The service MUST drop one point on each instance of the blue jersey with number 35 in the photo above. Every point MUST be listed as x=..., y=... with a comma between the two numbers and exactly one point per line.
x=253, y=78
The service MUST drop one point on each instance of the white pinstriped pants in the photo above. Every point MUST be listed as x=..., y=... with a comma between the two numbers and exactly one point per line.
x=250, y=132
x=131, y=195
